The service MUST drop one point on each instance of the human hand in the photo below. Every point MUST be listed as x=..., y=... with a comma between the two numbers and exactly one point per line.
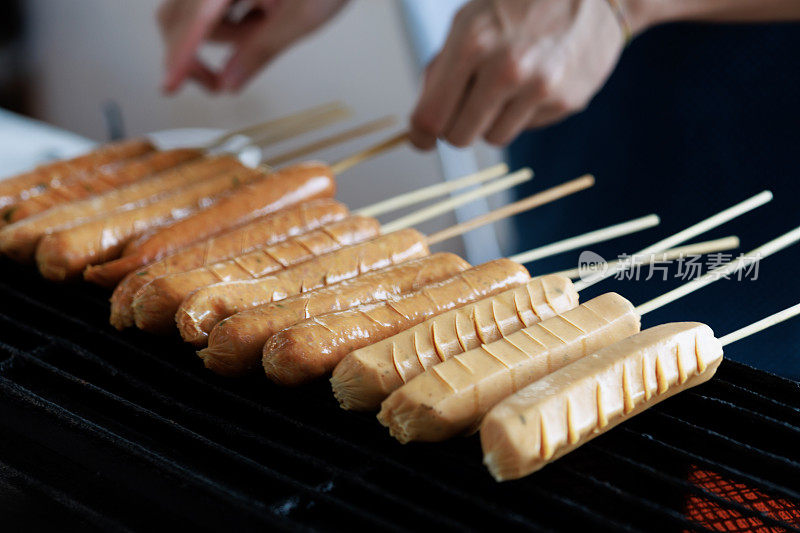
x=510, y=65
x=262, y=29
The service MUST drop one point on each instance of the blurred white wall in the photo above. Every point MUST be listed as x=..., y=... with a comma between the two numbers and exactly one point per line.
x=87, y=52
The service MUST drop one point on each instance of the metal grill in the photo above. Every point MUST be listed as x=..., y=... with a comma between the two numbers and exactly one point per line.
x=125, y=430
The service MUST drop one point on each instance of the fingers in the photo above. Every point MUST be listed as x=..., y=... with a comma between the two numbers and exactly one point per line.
x=184, y=33
x=448, y=78
x=253, y=52
x=497, y=80
x=204, y=76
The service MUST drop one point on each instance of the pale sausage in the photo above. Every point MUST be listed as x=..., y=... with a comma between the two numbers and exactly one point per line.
x=368, y=375
x=452, y=397
x=556, y=414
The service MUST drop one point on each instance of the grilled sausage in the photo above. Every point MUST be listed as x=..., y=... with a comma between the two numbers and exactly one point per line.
x=155, y=305
x=266, y=231
x=201, y=311
x=64, y=254
x=556, y=414
x=19, y=240
x=103, y=179
x=368, y=375
x=289, y=186
x=453, y=396
x=38, y=180
x=235, y=344
x=313, y=347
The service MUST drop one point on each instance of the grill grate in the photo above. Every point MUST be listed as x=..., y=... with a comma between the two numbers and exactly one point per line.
x=119, y=430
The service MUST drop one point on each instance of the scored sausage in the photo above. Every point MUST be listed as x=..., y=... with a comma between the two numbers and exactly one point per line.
x=452, y=397
x=103, y=179
x=201, y=311
x=155, y=305
x=38, y=180
x=313, y=347
x=266, y=231
x=235, y=344
x=65, y=254
x=556, y=414
x=365, y=377
x=285, y=187
x=19, y=240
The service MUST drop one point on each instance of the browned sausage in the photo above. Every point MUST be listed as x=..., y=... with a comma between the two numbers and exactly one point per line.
x=266, y=231
x=313, y=347
x=285, y=187
x=19, y=240
x=201, y=311
x=155, y=305
x=236, y=343
x=38, y=180
x=64, y=254
x=103, y=179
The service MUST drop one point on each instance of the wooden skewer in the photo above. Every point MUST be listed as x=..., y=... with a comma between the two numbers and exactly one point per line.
x=700, y=248
x=773, y=246
x=432, y=191
x=300, y=127
x=372, y=151
x=541, y=198
x=761, y=325
x=682, y=236
x=586, y=239
x=333, y=140
x=437, y=209
x=277, y=123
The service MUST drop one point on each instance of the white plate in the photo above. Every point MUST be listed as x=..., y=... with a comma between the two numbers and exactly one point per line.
x=191, y=137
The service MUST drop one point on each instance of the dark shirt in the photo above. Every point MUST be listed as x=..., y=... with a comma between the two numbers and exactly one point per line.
x=694, y=119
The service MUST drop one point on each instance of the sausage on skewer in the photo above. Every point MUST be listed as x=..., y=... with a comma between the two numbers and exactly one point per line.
x=365, y=377
x=65, y=254
x=103, y=179
x=235, y=345
x=154, y=305
x=38, y=180
x=313, y=347
x=556, y=414
x=453, y=396
x=278, y=190
x=201, y=311
x=266, y=231
x=19, y=240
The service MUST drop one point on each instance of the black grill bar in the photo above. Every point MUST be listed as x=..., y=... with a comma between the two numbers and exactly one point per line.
x=104, y=396
x=266, y=444
x=542, y=493
x=682, y=485
x=732, y=471
x=74, y=509
x=143, y=413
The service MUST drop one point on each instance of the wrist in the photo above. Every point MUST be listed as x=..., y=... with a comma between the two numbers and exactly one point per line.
x=644, y=14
